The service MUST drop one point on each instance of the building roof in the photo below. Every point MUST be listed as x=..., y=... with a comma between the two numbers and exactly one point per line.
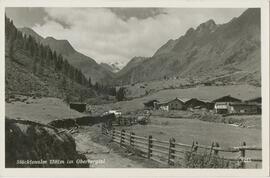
x=78, y=103
x=255, y=100
x=150, y=103
x=243, y=104
x=227, y=98
x=196, y=100
x=171, y=100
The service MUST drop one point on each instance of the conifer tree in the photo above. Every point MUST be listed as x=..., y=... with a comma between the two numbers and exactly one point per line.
x=89, y=82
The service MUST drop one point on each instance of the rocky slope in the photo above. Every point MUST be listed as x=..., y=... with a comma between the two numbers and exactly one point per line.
x=226, y=52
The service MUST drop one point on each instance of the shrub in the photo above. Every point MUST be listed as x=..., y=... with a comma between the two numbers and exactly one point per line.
x=194, y=160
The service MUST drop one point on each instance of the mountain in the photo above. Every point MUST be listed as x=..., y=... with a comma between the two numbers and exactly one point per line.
x=61, y=46
x=113, y=67
x=34, y=69
x=127, y=73
x=87, y=65
x=29, y=31
x=229, y=51
x=134, y=62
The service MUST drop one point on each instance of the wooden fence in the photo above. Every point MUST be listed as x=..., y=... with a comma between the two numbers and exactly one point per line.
x=173, y=153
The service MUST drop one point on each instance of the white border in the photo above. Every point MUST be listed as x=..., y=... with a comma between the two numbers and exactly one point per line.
x=101, y=172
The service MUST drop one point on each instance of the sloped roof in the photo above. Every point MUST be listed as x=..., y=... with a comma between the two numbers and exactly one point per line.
x=194, y=100
x=150, y=102
x=243, y=104
x=168, y=101
x=257, y=99
x=227, y=98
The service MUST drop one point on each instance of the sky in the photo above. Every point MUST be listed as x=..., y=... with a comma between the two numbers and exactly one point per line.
x=117, y=34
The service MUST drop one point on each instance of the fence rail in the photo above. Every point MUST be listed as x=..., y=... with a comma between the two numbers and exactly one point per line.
x=170, y=152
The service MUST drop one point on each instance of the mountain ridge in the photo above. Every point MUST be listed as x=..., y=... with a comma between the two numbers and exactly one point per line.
x=206, y=52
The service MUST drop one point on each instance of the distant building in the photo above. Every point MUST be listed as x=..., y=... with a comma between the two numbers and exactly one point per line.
x=80, y=107
x=210, y=105
x=257, y=100
x=175, y=104
x=231, y=105
x=150, y=104
x=222, y=105
x=227, y=99
x=244, y=108
x=163, y=106
x=195, y=103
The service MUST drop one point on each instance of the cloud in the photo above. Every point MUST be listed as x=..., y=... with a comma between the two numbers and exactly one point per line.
x=106, y=36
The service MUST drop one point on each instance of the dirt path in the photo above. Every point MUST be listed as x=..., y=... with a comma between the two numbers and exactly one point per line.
x=105, y=156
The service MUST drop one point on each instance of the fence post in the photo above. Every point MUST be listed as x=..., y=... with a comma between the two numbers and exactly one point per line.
x=131, y=139
x=216, y=151
x=113, y=134
x=102, y=129
x=122, y=137
x=211, y=149
x=171, y=151
x=192, y=147
x=243, y=154
x=149, y=146
x=195, y=148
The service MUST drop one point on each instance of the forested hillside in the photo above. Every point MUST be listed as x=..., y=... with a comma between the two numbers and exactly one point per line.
x=35, y=69
x=87, y=65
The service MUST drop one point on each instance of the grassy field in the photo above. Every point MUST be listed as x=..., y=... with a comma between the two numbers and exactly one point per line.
x=188, y=130
x=43, y=110
x=142, y=89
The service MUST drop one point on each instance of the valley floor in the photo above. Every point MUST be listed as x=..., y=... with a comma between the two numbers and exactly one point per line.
x=94, y=146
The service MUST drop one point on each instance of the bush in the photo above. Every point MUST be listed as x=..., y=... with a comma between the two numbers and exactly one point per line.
x=194, y=160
